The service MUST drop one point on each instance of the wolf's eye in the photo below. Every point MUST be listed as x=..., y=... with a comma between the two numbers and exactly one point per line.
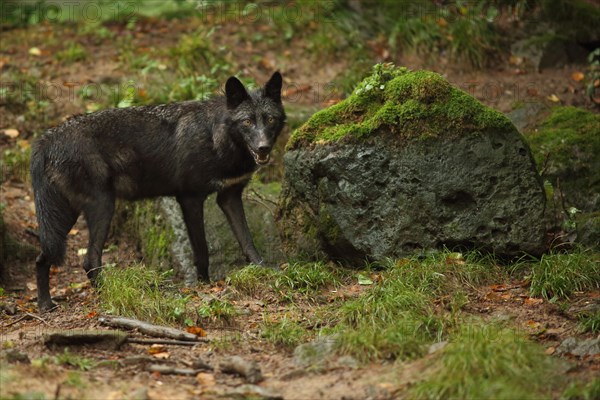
x=270, y=120
x=247, y=122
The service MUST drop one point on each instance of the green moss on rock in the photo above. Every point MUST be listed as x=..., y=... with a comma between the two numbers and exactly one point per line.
x=409, y=104
x=566, y=147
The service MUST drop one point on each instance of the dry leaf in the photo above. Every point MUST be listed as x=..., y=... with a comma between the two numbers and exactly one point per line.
x=533, y=301
x=157, y=348
x=196, y=330
x=550, y=350
x=23, y=144
x=532, y=324
x=577, y=76
x=553, y=98
x=11, y=133
x=162, y=356
x=34, y=51
x=92, y=314
x=73, y=232
x=205, y=379
x=515, y=60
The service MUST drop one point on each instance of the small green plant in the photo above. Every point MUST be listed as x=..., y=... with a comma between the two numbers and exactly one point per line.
x=15, y=162
x=285, y=332
x=593, y=79
x=141, y=292
x=73, y=53
x=589, y=321
x=74, y=360
x=582, y=391
x=217, y=310
x=490, y=361
x=557, y=275
x=75, y=380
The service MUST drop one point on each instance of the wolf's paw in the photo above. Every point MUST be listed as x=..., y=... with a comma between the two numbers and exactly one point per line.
x=46, y=305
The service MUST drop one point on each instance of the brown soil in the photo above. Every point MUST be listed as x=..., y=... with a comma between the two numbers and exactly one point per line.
x=126, y=376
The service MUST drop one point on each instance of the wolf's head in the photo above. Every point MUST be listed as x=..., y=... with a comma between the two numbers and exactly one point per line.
x=257, y=117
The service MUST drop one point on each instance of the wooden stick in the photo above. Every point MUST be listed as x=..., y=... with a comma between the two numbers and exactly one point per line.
x=149, y=329
x=164, y=341
x=166, y=370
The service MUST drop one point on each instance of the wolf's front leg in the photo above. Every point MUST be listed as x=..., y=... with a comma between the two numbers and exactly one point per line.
x=230, y=201
x=192, y=208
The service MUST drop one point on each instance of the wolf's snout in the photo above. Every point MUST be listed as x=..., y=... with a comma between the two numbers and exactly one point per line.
x=264, y=148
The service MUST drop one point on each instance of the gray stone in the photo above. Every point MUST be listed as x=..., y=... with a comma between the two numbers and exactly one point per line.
x=384, y=198
x=314, y=353
x=528, y=115
x=579, y=347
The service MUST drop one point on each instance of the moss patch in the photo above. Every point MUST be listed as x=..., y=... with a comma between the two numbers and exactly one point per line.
x=409, y=104
x=564, y=137
x=566, y=147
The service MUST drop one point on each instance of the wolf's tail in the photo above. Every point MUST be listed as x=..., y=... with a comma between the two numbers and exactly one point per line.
x=54, y=212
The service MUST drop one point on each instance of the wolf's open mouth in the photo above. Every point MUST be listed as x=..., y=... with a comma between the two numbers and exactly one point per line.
x=260, y=159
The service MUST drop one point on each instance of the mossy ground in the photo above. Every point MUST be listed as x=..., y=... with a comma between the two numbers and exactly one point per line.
x=408, y=104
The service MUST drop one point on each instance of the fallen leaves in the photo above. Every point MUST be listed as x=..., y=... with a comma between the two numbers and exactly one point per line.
x=159, y=351
x=553, y=98
x=11, y=133
x=578, y=76
x=35, y=51
x=205, y=379
x=196, y=330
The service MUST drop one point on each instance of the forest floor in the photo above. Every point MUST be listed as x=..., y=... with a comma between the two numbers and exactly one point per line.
x=94, y=373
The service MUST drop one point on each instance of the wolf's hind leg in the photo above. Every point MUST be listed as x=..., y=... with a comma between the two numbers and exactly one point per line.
x=98, y=215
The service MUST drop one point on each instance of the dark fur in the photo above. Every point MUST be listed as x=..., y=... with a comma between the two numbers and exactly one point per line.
x=187, y=150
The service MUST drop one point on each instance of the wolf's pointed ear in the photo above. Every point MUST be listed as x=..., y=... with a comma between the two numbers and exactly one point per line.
x=235, y=92
x=273, y=87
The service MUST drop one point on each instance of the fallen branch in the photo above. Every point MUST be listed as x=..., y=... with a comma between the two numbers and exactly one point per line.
x=166, y=370
x=149, y=329
x=111, y=339
x=237, y=365
x=161, y=341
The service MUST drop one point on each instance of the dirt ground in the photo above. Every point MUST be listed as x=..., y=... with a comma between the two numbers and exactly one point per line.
x=123, y=372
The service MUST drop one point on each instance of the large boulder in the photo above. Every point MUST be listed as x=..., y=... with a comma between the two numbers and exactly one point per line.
x=409, y=162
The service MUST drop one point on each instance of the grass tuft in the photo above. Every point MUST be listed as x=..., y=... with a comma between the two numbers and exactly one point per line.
x=404, y=312
x=559, y=275
x=252, y=280
x=139, y=292
x=306, y=278
x=489, y=361
x=286, y=332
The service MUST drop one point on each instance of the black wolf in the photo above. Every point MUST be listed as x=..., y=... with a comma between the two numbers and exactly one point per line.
x=187, y=150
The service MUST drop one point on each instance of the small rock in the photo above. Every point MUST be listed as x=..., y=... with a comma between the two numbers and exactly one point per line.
x=15, y=356
x=199, y=363
x=9, y=308
x=315, y=352
x=140, y=394
x=579, y=347
x=237, y=365
x=348, y=361
x=253, y=391
x=437, y=346
x=294, y=374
